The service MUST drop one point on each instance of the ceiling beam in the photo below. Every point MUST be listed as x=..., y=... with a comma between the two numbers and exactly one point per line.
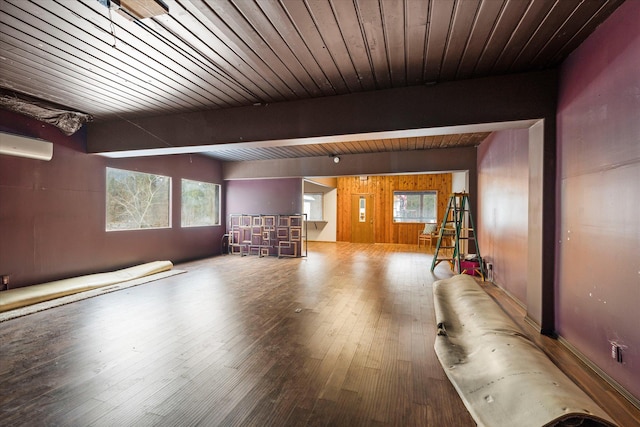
x=508, y=98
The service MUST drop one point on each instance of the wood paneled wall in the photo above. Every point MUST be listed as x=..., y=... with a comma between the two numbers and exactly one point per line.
x=382, y=187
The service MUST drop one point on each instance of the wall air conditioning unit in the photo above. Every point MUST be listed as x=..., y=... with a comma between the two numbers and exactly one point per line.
x=23, y=146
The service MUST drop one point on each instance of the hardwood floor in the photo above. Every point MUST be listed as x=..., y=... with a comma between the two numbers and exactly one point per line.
x=342, y=337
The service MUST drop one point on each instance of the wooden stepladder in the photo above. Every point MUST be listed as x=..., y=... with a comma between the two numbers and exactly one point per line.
x=457, y=236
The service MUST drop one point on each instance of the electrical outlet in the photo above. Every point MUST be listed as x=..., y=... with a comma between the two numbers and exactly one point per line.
x=616, y=352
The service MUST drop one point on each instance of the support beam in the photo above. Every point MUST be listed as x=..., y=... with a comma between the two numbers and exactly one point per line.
x=486, y=100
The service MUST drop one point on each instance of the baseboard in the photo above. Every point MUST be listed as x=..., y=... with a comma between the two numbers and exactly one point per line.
x=613, y=383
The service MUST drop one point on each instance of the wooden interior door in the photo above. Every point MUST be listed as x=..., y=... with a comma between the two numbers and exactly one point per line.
x=362, y=218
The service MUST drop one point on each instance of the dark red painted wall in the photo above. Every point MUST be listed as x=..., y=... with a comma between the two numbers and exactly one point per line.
x=598, y=125
x=264, y=196
x=52, y=214
x=503, y=183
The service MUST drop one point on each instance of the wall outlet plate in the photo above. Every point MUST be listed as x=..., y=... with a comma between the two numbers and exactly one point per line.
x=616, y=353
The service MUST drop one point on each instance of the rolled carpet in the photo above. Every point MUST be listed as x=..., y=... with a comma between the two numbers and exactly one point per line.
x=20, y=297
x=503, y=378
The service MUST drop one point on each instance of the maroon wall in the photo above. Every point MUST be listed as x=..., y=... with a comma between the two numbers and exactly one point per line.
x=503, y=181
x=52, y=214
x=598, y=125
x=264, y=196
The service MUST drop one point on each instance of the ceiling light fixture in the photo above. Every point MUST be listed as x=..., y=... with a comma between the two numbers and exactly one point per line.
x=336, y=159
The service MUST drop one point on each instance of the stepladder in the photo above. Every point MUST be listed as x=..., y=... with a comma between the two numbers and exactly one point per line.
x=457, y=243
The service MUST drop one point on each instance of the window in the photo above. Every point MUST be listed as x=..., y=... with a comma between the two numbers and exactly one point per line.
x=313, y=206
x=137, y=200
x=200, y=204
x=415, y=206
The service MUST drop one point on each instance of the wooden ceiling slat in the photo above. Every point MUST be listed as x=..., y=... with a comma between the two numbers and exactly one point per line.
x=500, y=35
x=463, y=18
x=140, y=43
x=363, y=147
x=371, y=21
x=196, y=67
x=577, y=28
x=349, y=147
x=298, y=151
x=49, y=47
x=353, y=35
x=438, y=33
x=279, y=151
x=533, y=17
x=334, y=45
x=65, y=72
x=442, y=141
x=436, y=142
x=242, y=51
x=318, y=150
x=239, y=90
x=26, y=81
x=281, y=21
x=31, y=74
x=23, y=83
x=197, y=30
x=371, y=146
x=554, y=20
x=90, y=54
x=355, y=147
x=380, y=146
x=429, y=142
x=393, y=22
x=486, y=19
x=237, y=23
x=313, y=39
x=282, y=48
x=344, y=148
x=416, y=32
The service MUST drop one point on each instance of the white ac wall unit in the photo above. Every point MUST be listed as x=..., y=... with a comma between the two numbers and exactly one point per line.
x=22, y=146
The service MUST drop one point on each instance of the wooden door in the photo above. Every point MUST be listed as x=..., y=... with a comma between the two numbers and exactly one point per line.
x=362, y=218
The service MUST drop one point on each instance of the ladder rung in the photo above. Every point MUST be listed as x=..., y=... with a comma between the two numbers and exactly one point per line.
x=454, y=228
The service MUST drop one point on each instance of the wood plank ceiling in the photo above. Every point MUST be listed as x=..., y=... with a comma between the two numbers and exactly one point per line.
x=211, y=54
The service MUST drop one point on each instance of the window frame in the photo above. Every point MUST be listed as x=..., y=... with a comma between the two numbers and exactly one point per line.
x=309, y=217
x=420, y=219
x=169, y=184
x=217, y=215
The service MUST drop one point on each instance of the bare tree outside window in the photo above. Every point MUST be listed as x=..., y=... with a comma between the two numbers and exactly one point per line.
x=200, y=204
x=137, y=200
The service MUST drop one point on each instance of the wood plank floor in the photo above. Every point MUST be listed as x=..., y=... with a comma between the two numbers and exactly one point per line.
x=342, y=337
